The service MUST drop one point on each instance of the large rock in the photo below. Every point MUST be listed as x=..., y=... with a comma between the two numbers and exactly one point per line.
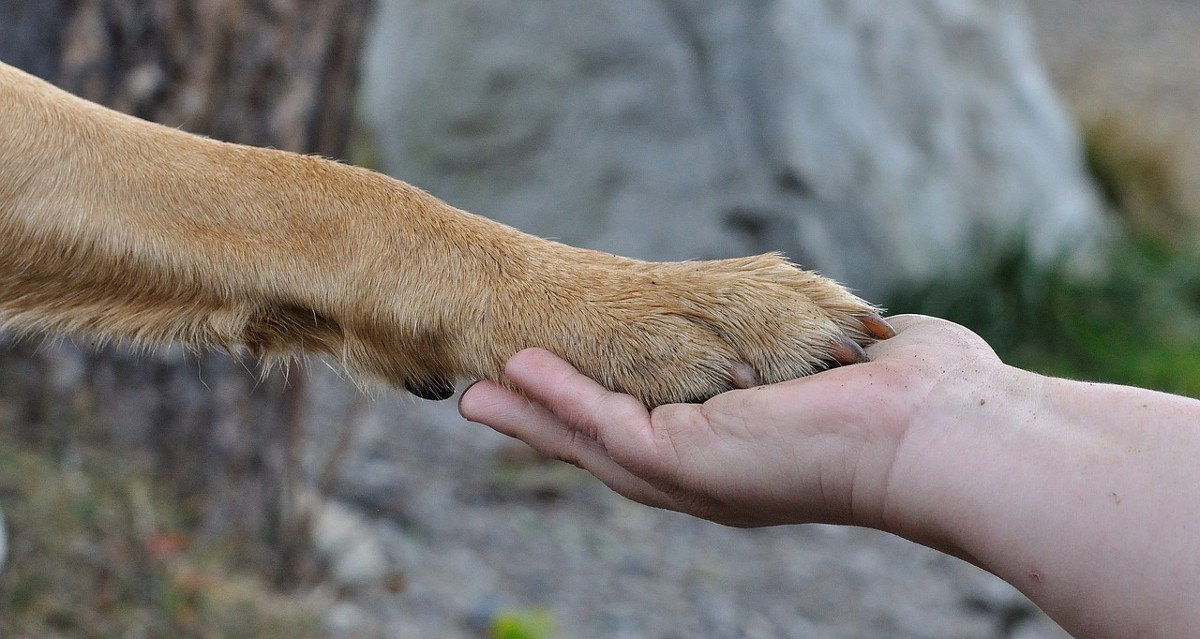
x=876, y=141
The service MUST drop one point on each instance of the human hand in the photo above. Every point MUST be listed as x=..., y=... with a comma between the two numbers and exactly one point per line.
x=816, y=449
x=1067, y=490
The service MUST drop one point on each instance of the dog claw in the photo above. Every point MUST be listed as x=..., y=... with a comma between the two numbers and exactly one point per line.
x=847, y=351
x=876, y=326
x=744, y=376
x=433, y=389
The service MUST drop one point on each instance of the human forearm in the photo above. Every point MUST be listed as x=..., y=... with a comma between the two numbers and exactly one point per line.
x=1078, y=494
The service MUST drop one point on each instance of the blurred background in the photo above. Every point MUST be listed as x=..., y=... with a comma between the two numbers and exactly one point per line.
x=1031, y=170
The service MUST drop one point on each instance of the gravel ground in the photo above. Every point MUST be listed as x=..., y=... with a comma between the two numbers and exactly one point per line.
x=461, y=526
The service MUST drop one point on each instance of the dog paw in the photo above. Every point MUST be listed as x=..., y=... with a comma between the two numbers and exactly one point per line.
x=685, y=331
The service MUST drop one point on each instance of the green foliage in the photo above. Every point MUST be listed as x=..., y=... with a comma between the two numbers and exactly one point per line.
x=533, y=623
x=96, y=550
x=1138, y=323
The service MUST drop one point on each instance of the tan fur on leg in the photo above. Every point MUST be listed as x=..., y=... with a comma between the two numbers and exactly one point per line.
x=119, y=228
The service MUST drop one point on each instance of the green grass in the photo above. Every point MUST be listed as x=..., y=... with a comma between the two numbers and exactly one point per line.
x=1138, y=323
x=532, y=623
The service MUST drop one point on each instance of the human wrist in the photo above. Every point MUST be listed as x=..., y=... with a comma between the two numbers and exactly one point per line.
x=970, y=431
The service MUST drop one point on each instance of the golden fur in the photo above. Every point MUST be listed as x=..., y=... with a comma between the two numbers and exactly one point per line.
x=119, y=228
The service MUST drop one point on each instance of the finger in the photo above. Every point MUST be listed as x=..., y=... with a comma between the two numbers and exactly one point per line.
x=900, y=323
x=486, y=402
x=578, y=400
x=619, y=422
x=511, y=414
x=930, y=333
x=933, y=329
x=913, y=321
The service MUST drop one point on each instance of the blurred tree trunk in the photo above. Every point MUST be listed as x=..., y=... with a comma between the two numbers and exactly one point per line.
x=277, y=73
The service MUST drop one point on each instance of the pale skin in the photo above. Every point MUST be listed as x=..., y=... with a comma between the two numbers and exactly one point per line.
x=1081, y=495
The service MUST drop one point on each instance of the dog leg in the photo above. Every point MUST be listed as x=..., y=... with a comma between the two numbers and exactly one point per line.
x=119, y=228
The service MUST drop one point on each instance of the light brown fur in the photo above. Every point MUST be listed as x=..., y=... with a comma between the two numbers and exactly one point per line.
x=119, y=228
